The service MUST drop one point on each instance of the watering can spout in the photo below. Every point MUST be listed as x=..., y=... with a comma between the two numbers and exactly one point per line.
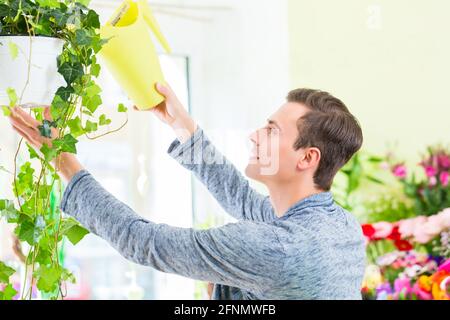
x=153, y=24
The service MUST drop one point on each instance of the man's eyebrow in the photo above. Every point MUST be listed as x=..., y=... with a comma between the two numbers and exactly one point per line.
x=270, y=121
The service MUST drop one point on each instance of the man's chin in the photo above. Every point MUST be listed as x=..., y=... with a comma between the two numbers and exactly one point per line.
x=252, y=171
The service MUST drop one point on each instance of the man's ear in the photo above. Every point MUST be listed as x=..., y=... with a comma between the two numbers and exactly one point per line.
x=309, y=158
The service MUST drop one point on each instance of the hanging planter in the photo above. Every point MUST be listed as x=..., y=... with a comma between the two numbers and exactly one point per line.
x=28, y=65
x=48, y=56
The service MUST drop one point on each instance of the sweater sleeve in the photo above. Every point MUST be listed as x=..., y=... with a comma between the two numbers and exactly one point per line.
x=242, y=254
x=221, y=178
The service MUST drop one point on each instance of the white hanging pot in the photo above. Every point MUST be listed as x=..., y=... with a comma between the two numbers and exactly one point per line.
x=35, y=78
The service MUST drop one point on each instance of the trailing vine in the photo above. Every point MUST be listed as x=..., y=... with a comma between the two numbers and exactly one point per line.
x=74, y=111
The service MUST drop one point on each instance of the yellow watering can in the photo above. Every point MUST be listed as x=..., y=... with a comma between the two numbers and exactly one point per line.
x=130, y=54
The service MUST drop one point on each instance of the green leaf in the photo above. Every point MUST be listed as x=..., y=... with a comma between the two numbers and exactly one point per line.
x=33, y=154
x=97, y=43
x=375, y=159
x=76, y=129
x=5, y=10
x=44, y=256
x=93, y=90
x=48, y=278
x=49, y=153
x=59, y=18
x=8, y=293
x=5, y=272
x=29, y=231
x=92, y=19
x=373, y=179
x=48, y=3
x=66, y=144
x=103, y=120
x=92, y=103
x=121, y=108
x=68, y=276
x=73, y=230
x=6, y=111
x=59, y=107
x=71, y=72
x=83, y=38
x=8, y=211
x=95, y=69
x=12, y=96
x=84, y=2
x=13, y=50
x=76, y=233
x=30, y=207
x=90, y=126
x=64, y=92
x=24, y=182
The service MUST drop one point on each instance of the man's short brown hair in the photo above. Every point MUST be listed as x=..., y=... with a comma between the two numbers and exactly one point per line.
x=328, y=126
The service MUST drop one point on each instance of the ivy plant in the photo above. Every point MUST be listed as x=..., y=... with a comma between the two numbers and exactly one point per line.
x=37, y=188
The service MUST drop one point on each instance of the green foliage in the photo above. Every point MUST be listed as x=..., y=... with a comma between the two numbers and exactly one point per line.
x=121, y=108
x=73, y=231
x=429, y=192
x=8, y=293
x=37, y=218
x=390, y=208
x=12, y=96
x=48, y=278
x=5, y=272
x=359, y=170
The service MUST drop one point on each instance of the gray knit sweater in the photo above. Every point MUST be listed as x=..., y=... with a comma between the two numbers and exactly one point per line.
x=314, y=251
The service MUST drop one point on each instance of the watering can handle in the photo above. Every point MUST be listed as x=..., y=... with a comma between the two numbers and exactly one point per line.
x=151, y=21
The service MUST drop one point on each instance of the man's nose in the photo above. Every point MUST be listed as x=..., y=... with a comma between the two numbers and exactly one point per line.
x=254, y=137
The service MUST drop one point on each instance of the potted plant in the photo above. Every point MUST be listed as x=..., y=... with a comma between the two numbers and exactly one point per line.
x=49, y=51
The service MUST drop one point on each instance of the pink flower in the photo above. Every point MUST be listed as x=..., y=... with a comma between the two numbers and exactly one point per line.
x=382, y=229
x=408, y=227
x=432, y=181
x=430, y=171
x=444, y=161
x=402, y=285
x=434, y=225
x=445, y=266
x=421, y=236
x=399, y=171
x=445, y=216
x=443, y=178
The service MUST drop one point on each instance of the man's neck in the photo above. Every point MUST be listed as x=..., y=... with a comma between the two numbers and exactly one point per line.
x=286, y=195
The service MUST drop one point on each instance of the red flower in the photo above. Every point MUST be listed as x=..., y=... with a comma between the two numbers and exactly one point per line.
x=395, y=234
x=403, y=245
x=368, y=230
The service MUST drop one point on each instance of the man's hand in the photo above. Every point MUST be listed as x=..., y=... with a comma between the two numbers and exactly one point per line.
x=172, y=112
x=66, y=163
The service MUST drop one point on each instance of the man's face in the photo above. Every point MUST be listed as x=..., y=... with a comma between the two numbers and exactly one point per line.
x=273, y=158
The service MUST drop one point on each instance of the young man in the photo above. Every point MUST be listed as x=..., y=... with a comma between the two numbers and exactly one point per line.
x=294, y=244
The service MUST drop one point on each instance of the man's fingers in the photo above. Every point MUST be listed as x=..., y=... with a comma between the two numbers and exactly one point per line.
x=164, y=89
x=26, y=129
x=18, y=113
x=25, y=136
x=20, y=123
x=47, y=114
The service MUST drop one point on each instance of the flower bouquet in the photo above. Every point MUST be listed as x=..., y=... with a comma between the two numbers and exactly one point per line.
x=409, y=259
x=431, y=194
